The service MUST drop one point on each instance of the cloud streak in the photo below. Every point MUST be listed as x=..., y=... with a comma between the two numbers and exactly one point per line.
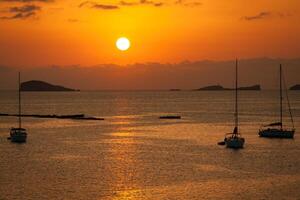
x=124, y=3
x=27, y=1
x=128, y=3
x=22, y=12
x=261, y=15
x=95, y=5
x=265, y=15
x=20, y=16
x=105, y=6
x=141, y=2
x=24, y=9
x=188, y=3
x=148, y=2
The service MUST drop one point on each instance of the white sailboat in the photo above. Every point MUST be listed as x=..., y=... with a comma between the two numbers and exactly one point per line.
x=19, y=134
x=276, y=130
x=235, y=140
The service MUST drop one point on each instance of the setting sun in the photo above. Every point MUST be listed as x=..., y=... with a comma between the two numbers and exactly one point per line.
x=123, y=44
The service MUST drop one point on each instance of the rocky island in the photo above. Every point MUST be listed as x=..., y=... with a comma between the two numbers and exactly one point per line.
x=221, y=88
x=295, y=87
x=253, y=87
x=213, y=87
x=41, y=86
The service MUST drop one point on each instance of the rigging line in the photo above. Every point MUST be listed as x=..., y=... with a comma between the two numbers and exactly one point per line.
x=288, y=101
x=19, y=100
x=236, y=96
x=280, y=93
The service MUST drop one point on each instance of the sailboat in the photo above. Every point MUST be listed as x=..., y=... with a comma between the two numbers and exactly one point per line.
x=235, y=140
x=19, y=134
x=276, y=130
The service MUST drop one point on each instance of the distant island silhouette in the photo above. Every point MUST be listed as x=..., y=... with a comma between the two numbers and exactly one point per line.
x=41, y=86
x=295, y=87
x=221, y=88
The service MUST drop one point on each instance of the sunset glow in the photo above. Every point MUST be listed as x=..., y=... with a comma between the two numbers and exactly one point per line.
x=43, y=33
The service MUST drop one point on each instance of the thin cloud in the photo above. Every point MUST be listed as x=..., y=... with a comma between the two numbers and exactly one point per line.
x=266, y=15
x=20, y=16
x=83, y=4
x=283, y=15
x=27, y=1
x=158, y=4
x=149, y=2
x=73, y=20
x=261, y=15
x=188, y=3
x=98, y=6
x=24, y=9
x=105, y=6
x=22, y=12
x=141, y=2
x=126, y=3
x=95, y=5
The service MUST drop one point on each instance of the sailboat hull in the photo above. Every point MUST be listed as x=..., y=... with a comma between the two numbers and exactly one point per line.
x=276, y=133
x=275, y=130
x=18, y=135
x=18, y=138
x=235, y=142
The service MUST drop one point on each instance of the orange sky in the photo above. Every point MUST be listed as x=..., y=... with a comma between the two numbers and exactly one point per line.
x=69, y=32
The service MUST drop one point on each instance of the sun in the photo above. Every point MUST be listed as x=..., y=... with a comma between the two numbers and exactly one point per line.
x=123, y=43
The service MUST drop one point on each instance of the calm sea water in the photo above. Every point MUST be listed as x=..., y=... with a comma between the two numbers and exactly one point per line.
x=134, y=155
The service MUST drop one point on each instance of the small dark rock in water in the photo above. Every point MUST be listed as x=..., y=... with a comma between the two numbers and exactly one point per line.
x=170, y=117
x=88, y=118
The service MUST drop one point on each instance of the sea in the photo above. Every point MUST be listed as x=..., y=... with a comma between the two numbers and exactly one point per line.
x=133, y=155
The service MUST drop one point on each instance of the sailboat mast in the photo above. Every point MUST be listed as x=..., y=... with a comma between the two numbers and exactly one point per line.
x=236, y=95
x=280, y=72
x=19, y=101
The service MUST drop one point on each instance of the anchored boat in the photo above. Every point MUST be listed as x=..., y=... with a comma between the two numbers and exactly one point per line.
x=19, y=134
x=234, y=140
x=276, y=130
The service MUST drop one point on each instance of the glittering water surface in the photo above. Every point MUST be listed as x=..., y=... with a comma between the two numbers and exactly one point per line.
x=135, y=155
